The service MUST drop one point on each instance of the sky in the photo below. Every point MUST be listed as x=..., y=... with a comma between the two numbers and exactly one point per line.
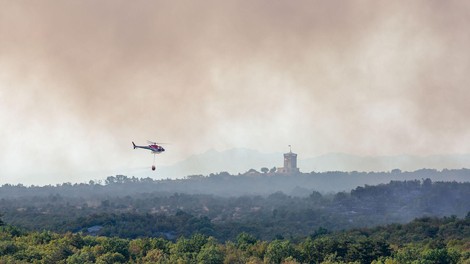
x=81, y=80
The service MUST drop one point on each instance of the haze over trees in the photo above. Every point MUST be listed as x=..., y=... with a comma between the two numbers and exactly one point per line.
x=256, y=217
x=265, y=205
x=250, y=183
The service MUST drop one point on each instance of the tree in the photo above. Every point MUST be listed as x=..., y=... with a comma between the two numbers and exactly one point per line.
x=154, y=256
x=244, y=240
x=117, y=245
x=56, y=251
x=185, y=249
x=83, y=256
x=210, y=254
x=440, y=255
x=264, y=170
x=278, y=251
x=139, y=247
x=111, y=257
x=7, y=248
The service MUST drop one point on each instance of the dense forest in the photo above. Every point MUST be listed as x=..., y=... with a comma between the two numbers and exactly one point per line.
x=127, y=208
x=422, y=241
x=250, y=218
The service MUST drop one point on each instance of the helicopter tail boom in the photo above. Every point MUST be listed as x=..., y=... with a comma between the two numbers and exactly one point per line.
x=134, y=144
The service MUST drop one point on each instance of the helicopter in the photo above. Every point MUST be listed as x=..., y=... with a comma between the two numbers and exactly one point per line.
x=153, y=147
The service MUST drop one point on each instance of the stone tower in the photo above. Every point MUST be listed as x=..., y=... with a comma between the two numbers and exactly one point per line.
x=290, y=163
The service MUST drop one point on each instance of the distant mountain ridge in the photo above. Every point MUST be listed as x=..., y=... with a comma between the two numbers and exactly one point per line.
x=240, y=160
x=346, y=162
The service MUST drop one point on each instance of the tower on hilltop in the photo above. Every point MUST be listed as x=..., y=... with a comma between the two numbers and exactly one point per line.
x=290, y=163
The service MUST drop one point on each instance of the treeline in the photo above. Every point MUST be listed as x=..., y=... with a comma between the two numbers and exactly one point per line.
x=274, y=216
x=425, y=240
x=224, y=184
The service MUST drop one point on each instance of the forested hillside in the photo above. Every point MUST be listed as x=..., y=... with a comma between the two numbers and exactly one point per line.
x=425, y=240
x=224, y=184
x=117, y=208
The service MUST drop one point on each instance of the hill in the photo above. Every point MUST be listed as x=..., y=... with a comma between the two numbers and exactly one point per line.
x=130, y=207
x=240, y=160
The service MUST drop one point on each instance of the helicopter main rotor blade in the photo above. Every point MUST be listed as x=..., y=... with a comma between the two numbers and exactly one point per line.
x=159, y=143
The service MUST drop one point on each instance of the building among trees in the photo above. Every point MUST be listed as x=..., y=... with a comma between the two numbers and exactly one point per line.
x=290, y=163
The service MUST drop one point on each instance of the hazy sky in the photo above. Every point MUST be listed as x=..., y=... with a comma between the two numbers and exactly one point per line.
x=80, y=80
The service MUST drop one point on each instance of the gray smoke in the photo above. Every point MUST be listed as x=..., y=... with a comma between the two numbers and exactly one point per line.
x=79, y=80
